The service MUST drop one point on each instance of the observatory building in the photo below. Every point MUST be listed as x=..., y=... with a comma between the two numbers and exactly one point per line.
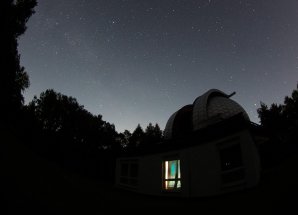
x=209, y=149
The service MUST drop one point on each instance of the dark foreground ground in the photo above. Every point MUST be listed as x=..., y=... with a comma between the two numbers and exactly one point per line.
x=31, y=184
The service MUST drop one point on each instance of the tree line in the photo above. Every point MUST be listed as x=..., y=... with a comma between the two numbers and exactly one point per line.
x=61, y=118
x=280, y=124
x=57, y=127
x=281, y=120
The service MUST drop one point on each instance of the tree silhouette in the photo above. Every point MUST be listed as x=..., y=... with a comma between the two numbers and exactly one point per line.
x=152, y=136
x=158, y=133
x=137, y=138
x=291, y=111
x=68, y=128
x=14, y=79
x=281, y=120
x=272, y=118
x=124, y=138
x=141, y=139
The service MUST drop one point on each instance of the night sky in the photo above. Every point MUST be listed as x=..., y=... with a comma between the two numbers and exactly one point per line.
x=138, y=61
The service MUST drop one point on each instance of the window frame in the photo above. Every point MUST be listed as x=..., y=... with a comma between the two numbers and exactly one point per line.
x=129, y=179
x=234, y=175
x=178, y=175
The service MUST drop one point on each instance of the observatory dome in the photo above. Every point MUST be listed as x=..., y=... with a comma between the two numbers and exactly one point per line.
x=210, y=108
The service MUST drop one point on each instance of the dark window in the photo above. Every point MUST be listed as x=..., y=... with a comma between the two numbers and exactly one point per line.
x=124, y=169
x=124, y=180
x=129, y=172
x=231, y=157
x=134, y=170
x=231, y=163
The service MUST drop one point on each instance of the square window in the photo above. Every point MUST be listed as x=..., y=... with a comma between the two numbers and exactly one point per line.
x=231, y=164
x=129, y=172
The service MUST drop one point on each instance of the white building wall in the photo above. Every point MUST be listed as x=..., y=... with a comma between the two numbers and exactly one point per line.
x=200, y=168
x=204, y=170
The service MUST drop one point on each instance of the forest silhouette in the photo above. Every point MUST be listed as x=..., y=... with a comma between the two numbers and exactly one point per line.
x=58, y=129
x=56, y=126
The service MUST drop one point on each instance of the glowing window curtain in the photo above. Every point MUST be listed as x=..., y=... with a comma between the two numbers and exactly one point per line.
x=172, y=175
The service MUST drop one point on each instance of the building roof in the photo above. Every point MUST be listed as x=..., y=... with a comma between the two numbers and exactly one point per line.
x=210, y=108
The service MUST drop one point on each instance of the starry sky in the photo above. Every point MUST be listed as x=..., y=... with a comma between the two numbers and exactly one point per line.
x=139, y=61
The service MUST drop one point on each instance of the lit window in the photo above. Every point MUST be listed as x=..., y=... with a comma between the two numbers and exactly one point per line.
x=172, y=175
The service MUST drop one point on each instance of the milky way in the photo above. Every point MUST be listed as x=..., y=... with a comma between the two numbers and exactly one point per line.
x=139, y=61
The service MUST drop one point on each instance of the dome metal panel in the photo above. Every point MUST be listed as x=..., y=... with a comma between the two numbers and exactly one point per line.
x=224, y=108
x=200, y=114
